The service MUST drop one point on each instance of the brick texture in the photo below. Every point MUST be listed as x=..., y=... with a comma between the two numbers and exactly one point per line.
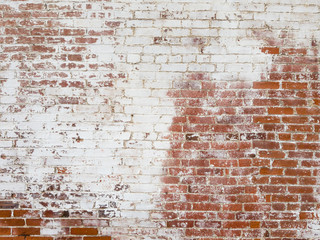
x=163, y=119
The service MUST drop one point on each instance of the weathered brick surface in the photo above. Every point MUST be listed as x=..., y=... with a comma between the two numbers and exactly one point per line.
x=164, y=119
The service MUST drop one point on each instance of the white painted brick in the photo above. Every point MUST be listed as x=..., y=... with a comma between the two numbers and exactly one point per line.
x=135, y=214
x=205, y=32
x=12, y=186
x=157, y=49
x=278, y=8
x=252, y=24
x=225, y=24
x=124, y=31
x=169, y=6
x=214, y=50
x=252, y=7
x=197, y=7
x=146, y=118
x=195, y=24
x=147, y=32
x=184, y=50
x=223, y=58
x=147, y=14
x=201, y=67
x=138, y=144
x=133, y=58
x=142, y=7
x=267, y=16
x=149, y=67
x=168, y=23
x=161, y=145
x=143, y=188
x=6, y=144
x=87, y=23
x=161, y=59
x=136, y=197
x=140, y=127
x=176, y=58
x=239, y=67
x=176, y=32
x=174, y=67
x=137, y=92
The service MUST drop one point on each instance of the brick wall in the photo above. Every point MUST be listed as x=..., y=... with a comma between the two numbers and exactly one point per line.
x=163, y=119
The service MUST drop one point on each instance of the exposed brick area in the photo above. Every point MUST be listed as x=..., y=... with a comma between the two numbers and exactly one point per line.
x=160, y=119
x=245, y=154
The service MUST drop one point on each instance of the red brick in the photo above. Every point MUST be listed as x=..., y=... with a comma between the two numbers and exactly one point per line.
x=43, y=49
x=271, y=154
x=26, y=213
x=272, y=189
x=294, y=119
x=12, y=238
x=274, y=127
x=55, y=214
x=5, y=231
x=294, y=85
x=25, y=231
x=266, y=85
x=39, y=238
x=257, y=207
x=308, y=146
x=270, y=50
x=308, y=111
x=35, y=222
x=265, y=145
x=285, y=163
x=206, y=207
x=74, y=57
x=298, y=137
x=266, y=119
x=71, y=222
x=84, y=231
x=266, y=102
x=294, y=102
x=195, y=215
x=199, y=232
x=196, y=198
x=308, y=181
x=235, y=224
x=285, y=198
x=297, y=172
x=255, y=224
x=268, y=171
x=178, y=206
x=303, y=189
x=232, y=207
x=294, y=51
x=282, y=180
x=5, y=213
x=280, y=111
x=201, y=120
x=307, y=215
x=193, y=94
x=86, y=40
x=300, y=154
x=31, y=6
x=12, y=222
